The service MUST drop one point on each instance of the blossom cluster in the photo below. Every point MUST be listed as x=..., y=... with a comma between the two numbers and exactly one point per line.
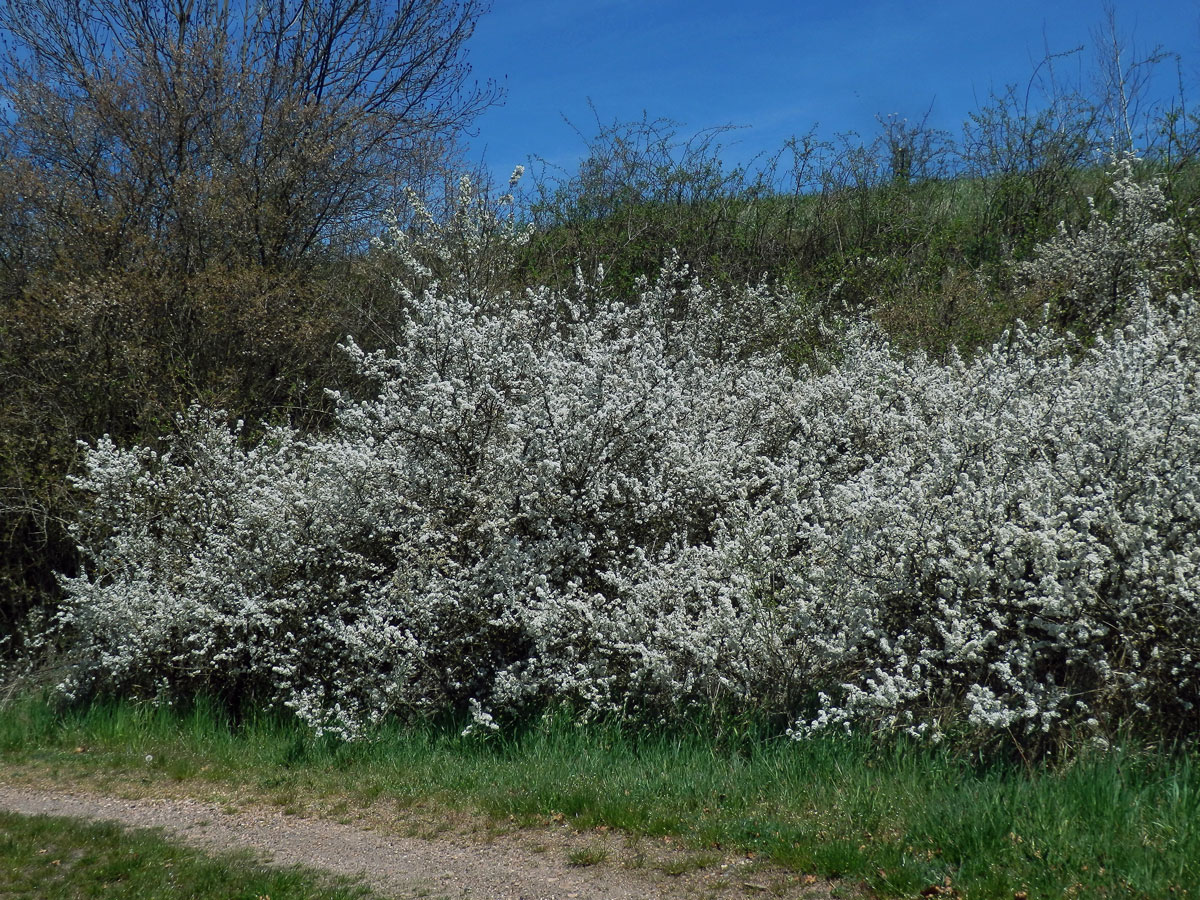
x=465, y=251
x=563, y=497
x=1092, y=273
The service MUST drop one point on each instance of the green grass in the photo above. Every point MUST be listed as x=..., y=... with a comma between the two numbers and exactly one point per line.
x=587, y=856
x=898, y=816
x=50, y=858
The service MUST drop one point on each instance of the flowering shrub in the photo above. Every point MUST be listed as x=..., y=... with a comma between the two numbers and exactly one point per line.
x=467, y=252
x=463, y=536
x=1009, y=543
x=1095, y=273
x=560, y=497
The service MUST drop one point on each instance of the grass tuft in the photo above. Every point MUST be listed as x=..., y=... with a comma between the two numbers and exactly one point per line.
x=587, y=856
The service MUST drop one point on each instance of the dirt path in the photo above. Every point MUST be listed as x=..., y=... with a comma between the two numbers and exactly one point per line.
x=524, y=864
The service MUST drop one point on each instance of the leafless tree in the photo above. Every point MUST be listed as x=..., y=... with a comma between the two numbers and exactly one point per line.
x=253, y=130
x=915, y=150
x=1123, y=82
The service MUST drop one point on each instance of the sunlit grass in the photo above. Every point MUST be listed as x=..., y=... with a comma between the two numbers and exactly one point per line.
x=901, y=817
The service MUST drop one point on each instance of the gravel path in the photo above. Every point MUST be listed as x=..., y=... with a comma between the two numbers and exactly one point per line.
x=525, y=865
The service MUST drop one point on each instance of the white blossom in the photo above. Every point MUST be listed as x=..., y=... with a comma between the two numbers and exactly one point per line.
x=560, y=497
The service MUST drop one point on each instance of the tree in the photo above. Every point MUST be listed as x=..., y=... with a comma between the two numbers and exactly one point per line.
x=230, y=130
x=1128, y=114
x=177, y=180
x=915, y=150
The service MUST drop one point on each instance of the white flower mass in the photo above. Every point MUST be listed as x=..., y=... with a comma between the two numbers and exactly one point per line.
x=566, y=497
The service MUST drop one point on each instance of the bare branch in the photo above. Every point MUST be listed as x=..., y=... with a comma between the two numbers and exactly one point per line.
x=258, y=129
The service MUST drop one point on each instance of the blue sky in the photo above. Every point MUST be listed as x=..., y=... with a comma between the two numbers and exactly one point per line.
x=777, y=67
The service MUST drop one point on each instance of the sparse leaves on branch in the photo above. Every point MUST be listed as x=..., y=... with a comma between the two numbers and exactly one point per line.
x=221, y=132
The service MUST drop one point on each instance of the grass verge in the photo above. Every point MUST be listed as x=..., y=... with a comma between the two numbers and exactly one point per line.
x=50, y=858
x=903, y=818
